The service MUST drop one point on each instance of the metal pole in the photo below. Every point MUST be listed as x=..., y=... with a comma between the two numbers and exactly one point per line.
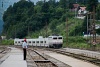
x=90, y=28
x=94, y=32
x=28, y=30
x=87, y=26
x=15, y=32
x=67, y=32
x=46, y=28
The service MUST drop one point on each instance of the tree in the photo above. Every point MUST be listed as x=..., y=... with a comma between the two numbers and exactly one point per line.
x=52, y=3
x=91, y=4
x=45, y=12
x=40, y=3
x=63, y=3
x=59, y=12
x=98, y=12
x=45, y=7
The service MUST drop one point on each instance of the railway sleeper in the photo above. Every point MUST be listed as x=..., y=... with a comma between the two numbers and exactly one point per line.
x=40, y=55
x=45, y=63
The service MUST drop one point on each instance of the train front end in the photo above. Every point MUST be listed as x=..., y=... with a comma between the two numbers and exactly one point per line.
x=55, y=41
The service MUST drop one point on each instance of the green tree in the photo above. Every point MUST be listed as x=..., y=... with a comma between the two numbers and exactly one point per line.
x=37, y=9
x=63, y=3
x=98, y=12
x=59, y=12
x=52, y=3
x=45, y=7
x=17, y=15
x=91, y=4
x=40, y=3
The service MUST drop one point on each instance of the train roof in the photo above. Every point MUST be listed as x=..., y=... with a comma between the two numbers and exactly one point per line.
x=55, y=36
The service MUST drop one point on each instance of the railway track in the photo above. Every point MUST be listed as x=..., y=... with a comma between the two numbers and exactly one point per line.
x=37, y=59
x=3, y=52
x=78, y=56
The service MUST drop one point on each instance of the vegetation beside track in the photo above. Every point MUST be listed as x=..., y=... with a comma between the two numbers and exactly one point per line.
x=7, y=42
x=80, y=43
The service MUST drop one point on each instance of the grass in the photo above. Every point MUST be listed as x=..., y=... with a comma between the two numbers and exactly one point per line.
x=80, y=43
x=7, y=42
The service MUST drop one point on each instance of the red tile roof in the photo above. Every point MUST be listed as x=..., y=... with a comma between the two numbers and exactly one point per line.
x=83, y=8
x=76, y=5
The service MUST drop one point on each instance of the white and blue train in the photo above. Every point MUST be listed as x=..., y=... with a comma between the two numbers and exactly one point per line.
x=51, y=41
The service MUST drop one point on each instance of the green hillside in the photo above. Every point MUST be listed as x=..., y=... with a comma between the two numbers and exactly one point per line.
x=24, y=19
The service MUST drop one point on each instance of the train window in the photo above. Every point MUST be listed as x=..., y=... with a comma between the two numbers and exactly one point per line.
x=55, y=38
x=18, y=41
x=41, y=41
x=44, y=41
x=22, y=41
x=59, y=37
x=37, y=42
x=29, y=42
x=33, y=41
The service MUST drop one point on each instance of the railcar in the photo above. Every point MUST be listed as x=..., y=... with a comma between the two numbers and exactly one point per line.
x=51, y=41
x=55, y=41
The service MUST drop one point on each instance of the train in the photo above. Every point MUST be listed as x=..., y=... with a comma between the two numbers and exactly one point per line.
x=50, y=41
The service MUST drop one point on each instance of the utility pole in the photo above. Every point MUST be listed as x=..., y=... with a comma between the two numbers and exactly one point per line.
x=94, y=32
x=28, y=30
x=46, y=28
x=87, y=25
x=15, y=32
x=67, y=31
x=90, y=28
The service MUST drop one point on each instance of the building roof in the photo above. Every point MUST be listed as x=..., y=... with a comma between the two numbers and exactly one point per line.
x=76, y=5
x=83, y=8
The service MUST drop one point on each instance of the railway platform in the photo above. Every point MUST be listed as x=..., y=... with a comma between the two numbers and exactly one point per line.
x=14, y=59
x=73, y=62
x=92, y=54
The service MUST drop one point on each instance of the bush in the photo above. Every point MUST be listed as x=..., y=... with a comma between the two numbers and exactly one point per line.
x=7, y=42
x=76, y=39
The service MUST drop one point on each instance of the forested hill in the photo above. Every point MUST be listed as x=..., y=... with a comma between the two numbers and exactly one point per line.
x=24, y=15
x=25, y=18
x=19, y=17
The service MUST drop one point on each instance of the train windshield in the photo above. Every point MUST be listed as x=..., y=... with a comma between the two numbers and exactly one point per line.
x=55, y=38
x=59, y=37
